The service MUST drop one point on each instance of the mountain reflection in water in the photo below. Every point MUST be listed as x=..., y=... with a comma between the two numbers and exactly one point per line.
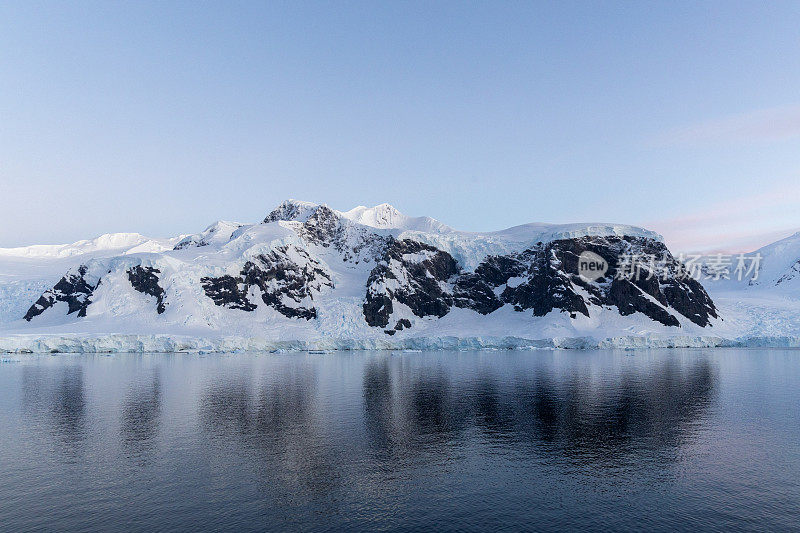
x=661, y=440
x=582, y=418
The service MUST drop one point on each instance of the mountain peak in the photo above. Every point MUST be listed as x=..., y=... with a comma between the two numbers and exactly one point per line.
x=292, y=209
x=381, y=216
x=386, y=216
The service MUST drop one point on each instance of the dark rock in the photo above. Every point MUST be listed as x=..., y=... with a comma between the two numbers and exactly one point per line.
x=669, y=287
x=690, y=299
x=496, y=270
x=791, y=273
x=471, y=291
x=545, y=291
x=629, y=298
x=227, y=291
x=546, y=279
x=293, y=282
x=476, y=291
x=73, y=289
x=286, y=211
x=145, y=280
x=189, y=242
x=323, y=227
x=278, y=277
x=419, y=270
x=326, y=228
x=377, y=309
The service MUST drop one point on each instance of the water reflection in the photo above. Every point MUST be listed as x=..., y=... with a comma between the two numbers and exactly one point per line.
x=141, y=415
x=378, y=404
x=275, y=423
x=57, y=400
x=582, y=417
x=69, y=406
x=475, y=441
x=411, y=406
x=491, y=413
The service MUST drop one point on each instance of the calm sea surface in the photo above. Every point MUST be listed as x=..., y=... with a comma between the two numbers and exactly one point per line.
x=452, y=441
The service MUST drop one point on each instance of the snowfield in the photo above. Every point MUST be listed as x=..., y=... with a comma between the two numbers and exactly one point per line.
x=297, y=281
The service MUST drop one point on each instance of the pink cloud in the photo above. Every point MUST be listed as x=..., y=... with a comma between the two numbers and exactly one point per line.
x=774, y=124
x=736, y=225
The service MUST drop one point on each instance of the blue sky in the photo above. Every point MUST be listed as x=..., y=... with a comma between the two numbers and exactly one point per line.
x=163, y=117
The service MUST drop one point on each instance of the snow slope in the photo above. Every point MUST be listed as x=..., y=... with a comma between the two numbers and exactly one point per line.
x=765, y=310
x=25, y=272
x=780, y=266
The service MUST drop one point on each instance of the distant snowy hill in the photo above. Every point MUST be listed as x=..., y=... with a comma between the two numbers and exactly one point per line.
x=110, y=242
x=765, y=309
x=773, y=269
x=780, y=265
x=311, y=276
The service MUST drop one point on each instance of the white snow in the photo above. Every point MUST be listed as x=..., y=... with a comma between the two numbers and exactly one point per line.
x=384, y=216
x=219, y=232
x=117, y=242
x=780, y=265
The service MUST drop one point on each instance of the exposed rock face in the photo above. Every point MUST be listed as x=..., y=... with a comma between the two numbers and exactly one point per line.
x=547, y=286
x=290, y=210
x=792, y=273
x=227, y=291
x=413, y=274
x=189, y=242
x=543, y=278
x=145, y=280
x=553, y=281
x=327, y=229
x=322, y=226
x=281, y=279
x=402, y=324
x=287, y=278
x=654, y=292
x=73, y=289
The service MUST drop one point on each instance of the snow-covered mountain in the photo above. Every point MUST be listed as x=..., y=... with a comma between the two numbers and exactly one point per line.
x=780, y=265
x=773, y=269
x=369, y=277
x=765, y=303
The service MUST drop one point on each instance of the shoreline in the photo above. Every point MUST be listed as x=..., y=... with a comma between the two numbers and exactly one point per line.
x=163, y=343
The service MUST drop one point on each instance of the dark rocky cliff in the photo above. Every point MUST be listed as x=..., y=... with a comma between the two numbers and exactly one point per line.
x=73, y=289
x=543, y=278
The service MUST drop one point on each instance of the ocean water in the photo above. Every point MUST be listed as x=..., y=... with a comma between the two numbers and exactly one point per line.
x=662, y=440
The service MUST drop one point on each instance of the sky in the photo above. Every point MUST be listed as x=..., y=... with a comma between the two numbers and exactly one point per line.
x=162, y=117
